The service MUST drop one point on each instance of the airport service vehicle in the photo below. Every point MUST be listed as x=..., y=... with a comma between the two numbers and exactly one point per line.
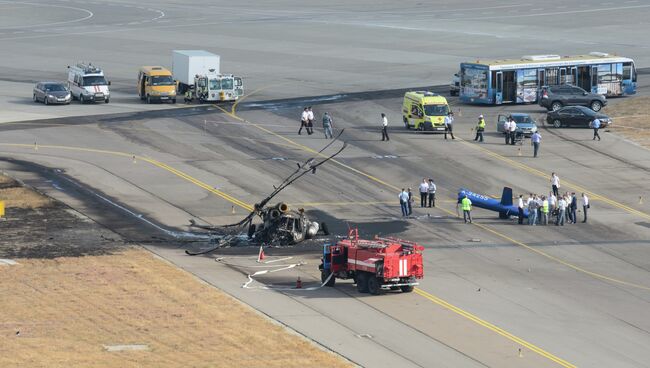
x=52, y=93
x=156, y=84
x=454, y=86
x=520, y=80
x=504, y=206
x=554, y=97
x=198, y=71
x=381, y=263
x=576, y=116
x=424, y=111
x=526, y=125
x=87, y=83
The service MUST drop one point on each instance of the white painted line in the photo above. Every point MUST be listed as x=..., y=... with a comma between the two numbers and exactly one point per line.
x=134, y=347
x=7, y=262
x=90, y=15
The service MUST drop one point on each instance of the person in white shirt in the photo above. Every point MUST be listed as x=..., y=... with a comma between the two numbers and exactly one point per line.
x=384, y=127
x=561, y=207
x=449, y=124
x=513, y=131
x=585, y=206
x=552, y=202
x=304, y=118
x=310, y=121
x=403, y=202
x=555, y=184
x=432, y=193
x=520, y=208
x=506, y=130
x=424, y=192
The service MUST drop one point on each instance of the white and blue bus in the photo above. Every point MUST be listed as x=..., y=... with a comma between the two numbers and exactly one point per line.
x=521, y=80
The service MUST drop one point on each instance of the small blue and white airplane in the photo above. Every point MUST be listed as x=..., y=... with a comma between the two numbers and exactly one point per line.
x=503, y=206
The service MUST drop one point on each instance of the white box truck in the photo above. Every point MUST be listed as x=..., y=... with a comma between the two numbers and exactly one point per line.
x=197, y=72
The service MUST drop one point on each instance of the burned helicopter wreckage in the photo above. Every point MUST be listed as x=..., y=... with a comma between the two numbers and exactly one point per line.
x=279, y=224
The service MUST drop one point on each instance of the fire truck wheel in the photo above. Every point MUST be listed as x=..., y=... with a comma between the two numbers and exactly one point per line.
x=323, y=277
x=374, y=287
x=407, y=288
x=362, y=282
x=251, y=230
x=323, y=227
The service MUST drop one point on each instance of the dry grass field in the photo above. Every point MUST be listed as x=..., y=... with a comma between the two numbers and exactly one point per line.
x=631, y=119
x=63, y=312
x=74, y=292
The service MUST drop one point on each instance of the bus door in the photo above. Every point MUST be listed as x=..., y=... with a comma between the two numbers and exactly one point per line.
x=540, y=83
x=573, y=77
x=499, y=89
x=584, y=78
x=629, y=78
x=563, y=76
x=594, y=80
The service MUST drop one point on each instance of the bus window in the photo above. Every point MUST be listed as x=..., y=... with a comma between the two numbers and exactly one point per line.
x=627, y=71
x=633, y=73
x=551, y=77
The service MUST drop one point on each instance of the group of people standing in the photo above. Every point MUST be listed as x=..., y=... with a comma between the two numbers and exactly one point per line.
x=542, y=208
x=307, y=122
x=427, y=196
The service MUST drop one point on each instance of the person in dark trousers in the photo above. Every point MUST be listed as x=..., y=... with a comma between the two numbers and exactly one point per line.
x=535, y=140
x=595, y=125
x=480, y=127
x=513, y=131
x=585, y=206
x=506, y=130
x=410, y=204
x=384, y=127
x=310, y=121
x=555, y=184
x=573, y=208
x=520, y=208
x=449, y=125
x=424, y=192
x=304, y=118
x=403, y=202
x=432, y=193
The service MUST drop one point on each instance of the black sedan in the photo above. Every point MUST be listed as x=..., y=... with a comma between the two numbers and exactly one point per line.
x=576, y=116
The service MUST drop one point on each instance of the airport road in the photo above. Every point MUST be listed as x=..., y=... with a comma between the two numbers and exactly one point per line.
x=570, y=296
x=293, y=48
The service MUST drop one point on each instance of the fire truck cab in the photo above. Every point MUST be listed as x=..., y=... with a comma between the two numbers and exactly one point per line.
x=382, y=263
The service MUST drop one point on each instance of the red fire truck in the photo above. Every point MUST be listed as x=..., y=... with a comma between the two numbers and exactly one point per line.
x=381, y=263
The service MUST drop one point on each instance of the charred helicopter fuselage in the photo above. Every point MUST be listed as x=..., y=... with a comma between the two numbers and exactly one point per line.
x=281, y=225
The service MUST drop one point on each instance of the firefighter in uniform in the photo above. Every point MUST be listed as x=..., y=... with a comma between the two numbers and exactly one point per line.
x=480, y=127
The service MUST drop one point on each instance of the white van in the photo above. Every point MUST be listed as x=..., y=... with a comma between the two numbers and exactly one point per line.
x=87, y=83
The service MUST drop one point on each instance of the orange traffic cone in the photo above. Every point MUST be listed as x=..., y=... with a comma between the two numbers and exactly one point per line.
x=298, y=283
x=260, y=255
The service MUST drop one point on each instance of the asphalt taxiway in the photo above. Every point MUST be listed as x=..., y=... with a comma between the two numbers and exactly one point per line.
x=495, y=294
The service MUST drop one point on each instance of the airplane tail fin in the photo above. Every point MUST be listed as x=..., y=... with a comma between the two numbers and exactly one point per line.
x=506, y=197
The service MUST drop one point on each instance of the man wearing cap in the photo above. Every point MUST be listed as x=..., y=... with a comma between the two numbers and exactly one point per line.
x=327, y=125
x=449, y=124
x=480, y=127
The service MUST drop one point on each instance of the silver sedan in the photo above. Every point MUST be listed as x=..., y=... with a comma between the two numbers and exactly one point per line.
x=52, y=93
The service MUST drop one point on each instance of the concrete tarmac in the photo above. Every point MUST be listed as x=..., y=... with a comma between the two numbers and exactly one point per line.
x=494, y=294
x=576, y=294
x=292, y=48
